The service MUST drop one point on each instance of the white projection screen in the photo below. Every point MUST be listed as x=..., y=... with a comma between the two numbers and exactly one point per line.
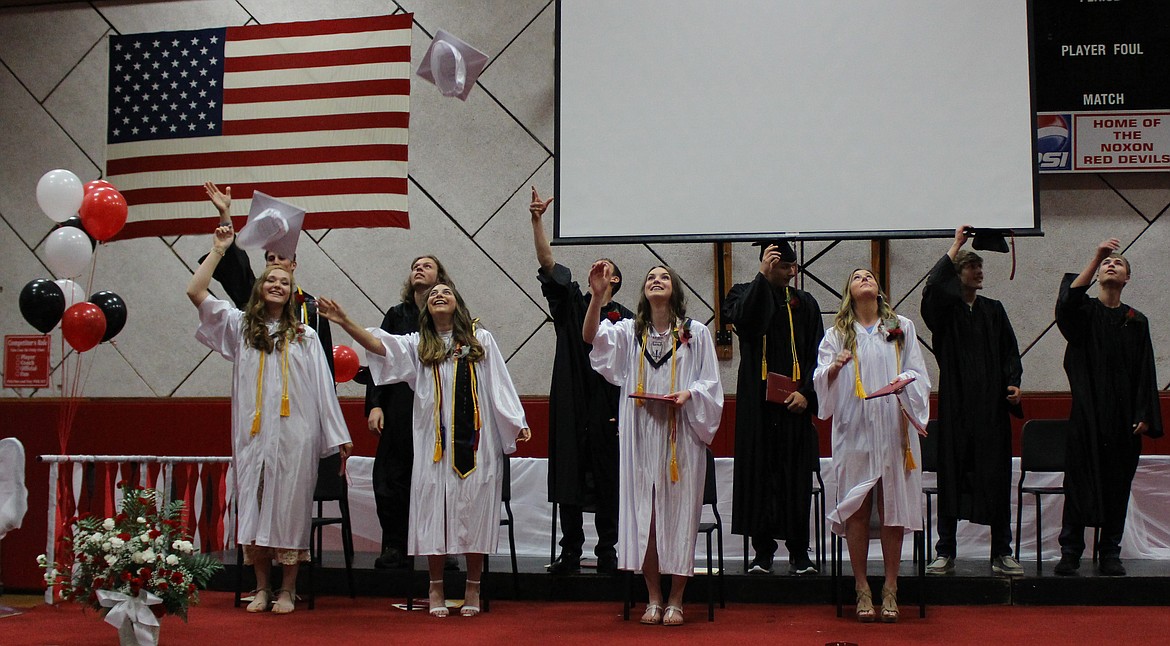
x=692, y=120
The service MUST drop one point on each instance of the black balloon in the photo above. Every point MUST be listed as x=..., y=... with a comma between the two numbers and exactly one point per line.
x=75, y=222
x=42, y=303
x=114, y=308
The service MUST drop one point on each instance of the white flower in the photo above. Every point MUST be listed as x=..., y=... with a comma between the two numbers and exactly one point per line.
x=141, y=520
x=172, y=560
x=144, y=537
x=107, y=546
x=116, y=543
x=41, y=560
x=137, y=557
x=111, y=559
x=149, y=556
x=97, y=538
x=50, y=574
x=108, y=524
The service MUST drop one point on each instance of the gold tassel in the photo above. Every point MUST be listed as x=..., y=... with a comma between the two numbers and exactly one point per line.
x=910, y=464
x=438, y=415
x=284, y=407
x=256, y=424
x=673, y=467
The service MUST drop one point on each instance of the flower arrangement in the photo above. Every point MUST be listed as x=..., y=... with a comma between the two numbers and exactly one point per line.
x=142, y=548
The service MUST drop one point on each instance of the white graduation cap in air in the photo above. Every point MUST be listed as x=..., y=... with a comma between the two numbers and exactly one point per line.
x=452, y=65
x=273, y=225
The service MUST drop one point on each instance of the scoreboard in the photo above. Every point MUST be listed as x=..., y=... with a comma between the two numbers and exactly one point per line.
x=1102, y=79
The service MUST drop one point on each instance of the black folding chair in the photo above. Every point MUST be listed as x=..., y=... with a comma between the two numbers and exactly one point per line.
x=1043, y=444
x=929, y=446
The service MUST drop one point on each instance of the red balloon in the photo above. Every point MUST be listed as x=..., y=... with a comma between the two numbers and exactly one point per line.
x=84, y=325
x=103, y=212
x=345, y=363
x=95, y=184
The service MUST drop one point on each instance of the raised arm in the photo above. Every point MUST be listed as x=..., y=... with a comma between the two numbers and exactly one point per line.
x=599, y=275
x=332, y=311
x=960, y=240
x=544, y=254
x=201, y=280
x=222, y=201
x=1099, y=254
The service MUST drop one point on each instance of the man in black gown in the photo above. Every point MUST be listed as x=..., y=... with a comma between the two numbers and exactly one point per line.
x=1110, y=366
x=390, y=416
x=582, y=415
x=979, y=387
x=776, y=449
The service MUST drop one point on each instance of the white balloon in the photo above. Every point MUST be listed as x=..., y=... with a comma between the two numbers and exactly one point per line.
x=68, y=252
x=74, y=294
x=59, y=194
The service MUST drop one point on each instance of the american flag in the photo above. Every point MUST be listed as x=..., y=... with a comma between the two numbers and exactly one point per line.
x=312, y=112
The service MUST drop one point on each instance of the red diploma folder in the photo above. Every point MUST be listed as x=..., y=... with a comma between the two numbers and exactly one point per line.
x=897, y=385
x=652, y=397
x=780, y=387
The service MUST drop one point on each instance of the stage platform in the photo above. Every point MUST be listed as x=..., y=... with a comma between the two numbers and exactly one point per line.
x=971, y=584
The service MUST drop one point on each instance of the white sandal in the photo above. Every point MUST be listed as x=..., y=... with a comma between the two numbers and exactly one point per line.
x=466, y=610
x=439, y=611
x=261, y=600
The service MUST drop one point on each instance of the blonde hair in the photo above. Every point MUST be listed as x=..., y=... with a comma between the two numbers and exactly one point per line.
x=432, y=350
x=845, y=318
x=256, y=315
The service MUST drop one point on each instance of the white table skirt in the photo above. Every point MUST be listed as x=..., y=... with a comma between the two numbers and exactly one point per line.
x=1147, y=529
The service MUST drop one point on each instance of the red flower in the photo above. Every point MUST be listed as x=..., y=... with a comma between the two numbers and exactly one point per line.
x=124, y=536
x=125, y=576
x=300, y=297
x=98, y=582
x=153, y=534
x=894, y=334
x=121, y=517
x=614, y=315
x=794, y=302
x=177, y=577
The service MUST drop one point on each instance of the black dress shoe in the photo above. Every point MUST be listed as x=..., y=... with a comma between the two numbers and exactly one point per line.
x=391, y=559
x=1111, y=566
x=566, y=564
x=607, y=565
x=1068, y=565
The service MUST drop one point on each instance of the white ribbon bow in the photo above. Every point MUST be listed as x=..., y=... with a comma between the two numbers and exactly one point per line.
x=125, y=608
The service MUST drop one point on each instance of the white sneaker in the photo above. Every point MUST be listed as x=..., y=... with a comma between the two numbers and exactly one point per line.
x=941, y=565
x=1007, y=566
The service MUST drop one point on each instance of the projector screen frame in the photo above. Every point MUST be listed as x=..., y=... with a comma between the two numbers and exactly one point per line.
x=796, y=235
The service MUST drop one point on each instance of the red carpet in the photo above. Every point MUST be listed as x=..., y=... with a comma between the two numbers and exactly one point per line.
x=340, y=620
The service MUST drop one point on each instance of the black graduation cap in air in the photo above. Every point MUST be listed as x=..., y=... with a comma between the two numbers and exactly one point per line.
x=990, y=239
x=787, y=253
x=994, y=240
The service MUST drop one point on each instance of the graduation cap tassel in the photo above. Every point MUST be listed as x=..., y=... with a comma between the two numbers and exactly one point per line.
x=284, y=406
x=910, y=464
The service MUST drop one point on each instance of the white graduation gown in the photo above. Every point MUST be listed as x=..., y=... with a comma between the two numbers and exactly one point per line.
x=644, y=438
x=286, y=449
x=449, y=514
x=869, y=435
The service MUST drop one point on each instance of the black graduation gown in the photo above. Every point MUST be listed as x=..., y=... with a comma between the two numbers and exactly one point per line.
x=235, y=275
x=1110, y=366
x=978, y=358
x=583, y=406
x=773, y=471
x=395, y=453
